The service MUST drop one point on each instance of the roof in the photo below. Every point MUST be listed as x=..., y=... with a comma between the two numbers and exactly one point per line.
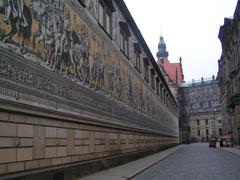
x=202, y=81
x=173, y=70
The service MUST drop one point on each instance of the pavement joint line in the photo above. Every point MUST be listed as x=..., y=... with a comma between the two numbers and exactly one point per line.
x=178, y=148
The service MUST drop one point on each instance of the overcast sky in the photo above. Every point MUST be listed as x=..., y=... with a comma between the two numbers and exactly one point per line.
x=190, y=30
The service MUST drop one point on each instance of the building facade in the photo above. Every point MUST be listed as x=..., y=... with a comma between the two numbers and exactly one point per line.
x=79, y=89
x=172, y=72
x=229, y=76
x=201, y=110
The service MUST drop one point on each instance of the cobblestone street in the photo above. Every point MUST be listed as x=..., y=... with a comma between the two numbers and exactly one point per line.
x=195, y=162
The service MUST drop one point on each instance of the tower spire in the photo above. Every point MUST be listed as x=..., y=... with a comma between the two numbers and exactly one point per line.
x=162, y=53
x=161, y=30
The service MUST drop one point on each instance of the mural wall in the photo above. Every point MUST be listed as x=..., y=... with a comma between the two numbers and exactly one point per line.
x=51, y=34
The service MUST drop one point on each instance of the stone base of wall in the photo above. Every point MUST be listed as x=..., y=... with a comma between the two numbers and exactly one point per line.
x=78, y=170
x=38, y=147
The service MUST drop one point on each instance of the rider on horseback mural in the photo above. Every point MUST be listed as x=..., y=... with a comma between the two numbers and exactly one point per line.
x=16, y=10
x=18, y=17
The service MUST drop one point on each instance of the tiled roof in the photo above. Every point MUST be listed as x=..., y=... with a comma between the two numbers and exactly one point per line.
x=173, y=70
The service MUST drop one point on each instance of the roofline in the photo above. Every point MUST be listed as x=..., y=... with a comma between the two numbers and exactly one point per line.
x=236, y=9
x=122, y=6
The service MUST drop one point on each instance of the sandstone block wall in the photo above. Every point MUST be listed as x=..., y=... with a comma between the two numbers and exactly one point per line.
x=29, y=142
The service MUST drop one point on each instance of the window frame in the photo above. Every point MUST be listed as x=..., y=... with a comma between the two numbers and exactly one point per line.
x=137, y=56
x=124, y=44
x=198, y=122
x=164, y=95
x=124, y=38
x=137, y=59
x=220, y=131
x=82, y=2
x=106, y=12
x=146, y=69
x=198, y=132
x=138, y=63
x=161, y=91
x=158, y=86
x=101, y=20
x=152, y=74
x=207, y=132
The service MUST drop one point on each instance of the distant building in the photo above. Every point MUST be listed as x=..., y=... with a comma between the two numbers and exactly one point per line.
x=229, y=76
x=172, y=72
x=200, y=115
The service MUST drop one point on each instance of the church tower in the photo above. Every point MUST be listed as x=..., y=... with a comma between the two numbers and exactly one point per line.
x=172, y=72
x=162, y=53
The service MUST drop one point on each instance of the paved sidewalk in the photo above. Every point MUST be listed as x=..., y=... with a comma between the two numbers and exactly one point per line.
x=126, y=171
x=234, y=150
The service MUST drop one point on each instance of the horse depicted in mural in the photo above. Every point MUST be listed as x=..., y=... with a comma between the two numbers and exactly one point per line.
x=40, y=15
x=49, y=32
x=82, y=58
x=19, y=17
x=64, y=49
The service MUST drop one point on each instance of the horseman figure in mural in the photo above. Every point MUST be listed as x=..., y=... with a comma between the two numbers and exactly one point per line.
x=64, y=49
x=49, y=16
x=19, y=17
x=82, y=56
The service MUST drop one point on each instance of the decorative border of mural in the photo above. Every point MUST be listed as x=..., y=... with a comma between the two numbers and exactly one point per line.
x=25, y=80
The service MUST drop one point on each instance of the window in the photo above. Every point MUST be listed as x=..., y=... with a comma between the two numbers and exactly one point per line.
x=219, y=121
x=164, y=96
x=198, y=122
x=207, y=132
x=82, y=2
x=137, y=52
x=101, y=14
x=161, y=91
x=105, y=10
x=146, y=71
x=137, y=60
x=220, y=131
x=206, y=121
x=124, y=38
x=152, y=78
x=157, y=85
x=124, y=43
x=166, y=101
x=198, y=132
x=108, y=23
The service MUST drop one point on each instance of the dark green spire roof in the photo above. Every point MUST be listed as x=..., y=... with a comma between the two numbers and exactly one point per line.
x=162, y=53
